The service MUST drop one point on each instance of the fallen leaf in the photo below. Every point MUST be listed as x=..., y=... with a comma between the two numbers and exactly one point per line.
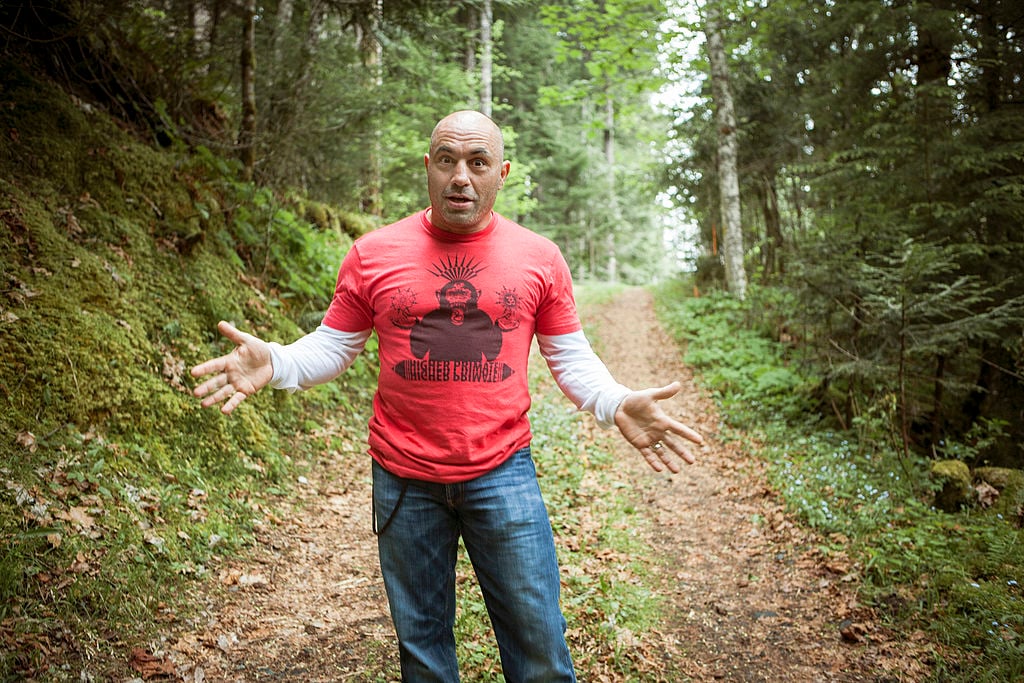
x=226, y=641
x=28, y=440
x=229, y=577
x=74, y=228
x=852, y=632
x=987, y=494
x=174, y=371
x=255, y=580
x=149, y=665
x=77, y=516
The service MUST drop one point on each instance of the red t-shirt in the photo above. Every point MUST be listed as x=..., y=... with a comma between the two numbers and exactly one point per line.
x=455, y=316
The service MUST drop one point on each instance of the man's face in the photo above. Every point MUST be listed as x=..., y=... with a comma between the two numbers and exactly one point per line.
x=465, y=170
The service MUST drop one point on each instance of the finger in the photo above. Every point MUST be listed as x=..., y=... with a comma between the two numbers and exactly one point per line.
x=225, y=392
x=232, y=402
x=664, y=454
x=209, y=386
x=667, y=460
x=232, y=333
x=686, y=432
x=669, y=452
x=665, y=392
x=684, y=454
x=208, y=367
x=653, y=458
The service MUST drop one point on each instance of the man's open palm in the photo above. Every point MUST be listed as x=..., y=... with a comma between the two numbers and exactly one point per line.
x=660, y=438
x=236, y=375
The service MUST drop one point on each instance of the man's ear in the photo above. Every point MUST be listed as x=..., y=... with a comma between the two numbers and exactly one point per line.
x=426, y=161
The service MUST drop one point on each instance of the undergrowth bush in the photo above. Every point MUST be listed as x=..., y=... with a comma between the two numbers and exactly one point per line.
x=958, y=576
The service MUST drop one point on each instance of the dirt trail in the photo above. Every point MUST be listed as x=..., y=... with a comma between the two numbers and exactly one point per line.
x=754, y=600
x=751, y=599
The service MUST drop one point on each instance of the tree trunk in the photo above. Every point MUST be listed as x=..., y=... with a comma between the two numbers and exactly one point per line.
x=728, y=179
x=247, y=132
x=774, y=262
x=486, y=57
x=285, y=11
x=937, y=398
x=613, y=197
x=373, y=59
x=472, y=22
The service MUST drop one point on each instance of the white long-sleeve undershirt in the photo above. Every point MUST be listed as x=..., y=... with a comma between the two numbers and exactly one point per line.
x=582, y=376
x=325, y=353
x=316, y=358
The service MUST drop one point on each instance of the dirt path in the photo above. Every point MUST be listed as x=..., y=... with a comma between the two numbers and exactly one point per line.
x=752, y=600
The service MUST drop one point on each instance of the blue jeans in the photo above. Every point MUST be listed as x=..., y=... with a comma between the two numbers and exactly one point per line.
x=504, y=525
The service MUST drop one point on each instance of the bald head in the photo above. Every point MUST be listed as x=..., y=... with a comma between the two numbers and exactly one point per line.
x=469, y=121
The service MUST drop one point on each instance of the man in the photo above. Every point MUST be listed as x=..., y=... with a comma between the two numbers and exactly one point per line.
x=456, y=294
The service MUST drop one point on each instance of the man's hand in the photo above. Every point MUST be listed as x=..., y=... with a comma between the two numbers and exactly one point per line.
x=236, y=375
x=658, y=437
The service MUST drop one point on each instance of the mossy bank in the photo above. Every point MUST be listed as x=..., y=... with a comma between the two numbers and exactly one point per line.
x=118, y=258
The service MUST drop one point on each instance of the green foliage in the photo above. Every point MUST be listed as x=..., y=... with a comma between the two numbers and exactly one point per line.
x=903, y=312
x=588, y=133
x=981, y=437
x=956, y=575
x=749, y=372
x=881, y=181
x=118, y=260
x=295, y=256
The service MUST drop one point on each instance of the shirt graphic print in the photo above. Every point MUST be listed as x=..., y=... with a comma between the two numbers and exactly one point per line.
x=457, y=341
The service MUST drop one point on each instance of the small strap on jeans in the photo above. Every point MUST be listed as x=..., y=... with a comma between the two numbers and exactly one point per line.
x=394, y=510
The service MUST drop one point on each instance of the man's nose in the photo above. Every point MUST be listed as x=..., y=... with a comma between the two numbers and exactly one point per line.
x=461, y=174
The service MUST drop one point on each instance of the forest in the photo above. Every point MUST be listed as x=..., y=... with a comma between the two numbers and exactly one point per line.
x=826, y=197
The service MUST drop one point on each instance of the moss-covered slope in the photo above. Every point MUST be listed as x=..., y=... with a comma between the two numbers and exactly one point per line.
x=117, y=259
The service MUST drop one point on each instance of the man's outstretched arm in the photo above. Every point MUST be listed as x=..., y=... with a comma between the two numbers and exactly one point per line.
x=316, y=358
x=585, y=379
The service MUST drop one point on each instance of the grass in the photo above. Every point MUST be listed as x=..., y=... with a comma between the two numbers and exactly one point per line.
x=956, y=577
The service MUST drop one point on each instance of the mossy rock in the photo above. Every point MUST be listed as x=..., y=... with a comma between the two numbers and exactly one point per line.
x=956, y=492
x=318, y=214
x=355, y=224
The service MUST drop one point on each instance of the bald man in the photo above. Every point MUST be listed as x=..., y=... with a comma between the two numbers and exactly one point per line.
x=456, y=294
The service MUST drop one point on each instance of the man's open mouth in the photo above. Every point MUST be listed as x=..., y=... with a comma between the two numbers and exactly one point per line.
x=459, y=201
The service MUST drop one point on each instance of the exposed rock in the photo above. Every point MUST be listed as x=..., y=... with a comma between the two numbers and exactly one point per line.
x=957, y=491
